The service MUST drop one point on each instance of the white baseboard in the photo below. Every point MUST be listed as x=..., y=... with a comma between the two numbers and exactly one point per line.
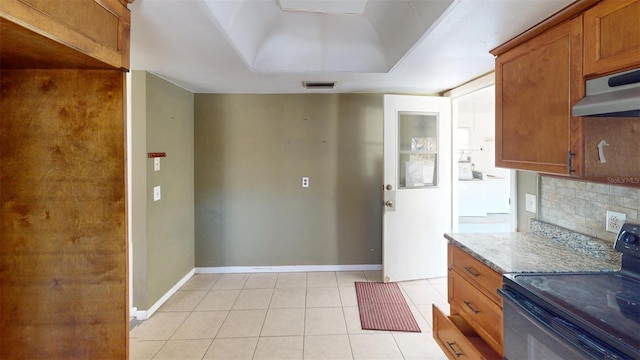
x=285, y=268
x=145, y=314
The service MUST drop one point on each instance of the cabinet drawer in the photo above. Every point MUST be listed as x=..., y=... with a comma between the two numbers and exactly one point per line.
x=457, y=339
x=484, y=315
x=479, y=274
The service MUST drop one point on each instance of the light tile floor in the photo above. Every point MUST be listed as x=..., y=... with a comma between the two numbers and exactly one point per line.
x=283, y=316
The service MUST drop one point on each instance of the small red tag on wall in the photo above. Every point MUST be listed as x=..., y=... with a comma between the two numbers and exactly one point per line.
x=156, y=154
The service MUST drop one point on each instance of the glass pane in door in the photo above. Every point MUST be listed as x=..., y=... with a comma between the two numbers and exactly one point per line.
x=417, y=150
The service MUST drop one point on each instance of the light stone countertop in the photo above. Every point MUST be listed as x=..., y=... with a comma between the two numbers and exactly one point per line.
x=547, y=249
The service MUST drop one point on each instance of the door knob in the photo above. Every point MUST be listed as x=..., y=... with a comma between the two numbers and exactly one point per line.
x=389, y=204
x=389, y=187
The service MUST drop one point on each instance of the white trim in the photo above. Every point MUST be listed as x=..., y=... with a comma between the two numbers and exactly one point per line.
x=145, y=314
x=473, y=85
x=129, y=203
x=141, y=315
x=287, y=268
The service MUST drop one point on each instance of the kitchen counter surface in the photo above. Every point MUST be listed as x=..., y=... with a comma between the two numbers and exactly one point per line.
x=546, y=249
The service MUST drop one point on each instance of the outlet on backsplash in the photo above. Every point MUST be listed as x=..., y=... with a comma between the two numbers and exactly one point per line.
x=582, y=206
x=615, y=220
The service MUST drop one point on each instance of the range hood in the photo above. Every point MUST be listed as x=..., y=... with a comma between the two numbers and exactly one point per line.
x=616, y=95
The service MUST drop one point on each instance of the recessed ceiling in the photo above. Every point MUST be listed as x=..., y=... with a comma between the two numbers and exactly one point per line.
x=273, y=46
x=350, y=7
x=325, y=36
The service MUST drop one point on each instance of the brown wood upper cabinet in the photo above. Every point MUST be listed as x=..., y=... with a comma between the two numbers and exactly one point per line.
x=537, y=83
x=611, y=37
x=540, y=76
x=96, y=28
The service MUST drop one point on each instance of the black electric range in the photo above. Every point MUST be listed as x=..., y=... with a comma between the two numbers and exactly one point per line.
x=576, y=315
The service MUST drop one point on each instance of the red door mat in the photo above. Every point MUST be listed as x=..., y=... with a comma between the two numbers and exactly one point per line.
x=382, y=307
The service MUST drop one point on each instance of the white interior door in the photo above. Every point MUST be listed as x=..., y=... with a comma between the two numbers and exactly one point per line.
x=417, y=186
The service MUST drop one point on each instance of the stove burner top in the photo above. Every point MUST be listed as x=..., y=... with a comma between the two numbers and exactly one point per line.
x=562, y=289
x=605, y=305
x=608, y=303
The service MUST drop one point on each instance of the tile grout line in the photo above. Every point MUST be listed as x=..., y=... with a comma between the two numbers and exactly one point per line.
x=306, y=303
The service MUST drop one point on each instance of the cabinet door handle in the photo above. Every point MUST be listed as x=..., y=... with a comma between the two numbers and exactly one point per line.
x=570, y=162
x=468, y=303
x=455, y=351
x=470, y=271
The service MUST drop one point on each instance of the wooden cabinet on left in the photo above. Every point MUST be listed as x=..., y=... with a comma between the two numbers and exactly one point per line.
x=98, y=29
x=63, y=219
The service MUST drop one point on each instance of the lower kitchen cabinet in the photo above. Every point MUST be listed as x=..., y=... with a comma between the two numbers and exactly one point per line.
x=458, y=339
x=474, y=328
x=478, y=309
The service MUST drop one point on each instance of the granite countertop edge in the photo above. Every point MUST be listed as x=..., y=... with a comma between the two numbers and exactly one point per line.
x=547, y=248
x=468, y=250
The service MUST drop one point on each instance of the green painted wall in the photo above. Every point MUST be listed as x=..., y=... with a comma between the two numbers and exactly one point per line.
x=527, y=184
x=163, y=242
x=251, y=152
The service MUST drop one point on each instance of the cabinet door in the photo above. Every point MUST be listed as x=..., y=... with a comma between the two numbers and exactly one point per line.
x=611, y=37
x=537, y=83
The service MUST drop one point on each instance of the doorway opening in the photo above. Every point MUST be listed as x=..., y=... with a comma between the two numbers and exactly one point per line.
x=484, y=195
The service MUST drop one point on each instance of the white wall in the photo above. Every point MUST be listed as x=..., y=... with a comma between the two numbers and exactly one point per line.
x=476, y=113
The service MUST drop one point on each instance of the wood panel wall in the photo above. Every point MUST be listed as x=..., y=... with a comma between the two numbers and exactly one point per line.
x=63, y=250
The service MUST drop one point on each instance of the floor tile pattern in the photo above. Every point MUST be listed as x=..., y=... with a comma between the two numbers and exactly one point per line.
x=283, y=316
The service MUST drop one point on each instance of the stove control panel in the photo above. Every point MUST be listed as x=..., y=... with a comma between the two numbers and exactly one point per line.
x=628, y=240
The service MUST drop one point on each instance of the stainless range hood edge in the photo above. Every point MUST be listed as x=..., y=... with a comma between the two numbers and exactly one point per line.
x=615, y=95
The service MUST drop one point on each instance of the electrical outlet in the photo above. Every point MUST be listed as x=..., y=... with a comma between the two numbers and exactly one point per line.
x=305, y=181
x=615, y=220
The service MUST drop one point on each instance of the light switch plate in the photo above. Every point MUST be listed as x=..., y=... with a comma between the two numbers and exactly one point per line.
x=530, y=203
x=156, y=193
x=156, y=164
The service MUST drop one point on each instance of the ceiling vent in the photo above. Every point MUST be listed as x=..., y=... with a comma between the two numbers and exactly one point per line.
x=318, y=85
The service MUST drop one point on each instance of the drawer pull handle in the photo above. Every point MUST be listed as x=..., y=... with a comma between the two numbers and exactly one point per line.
x=470, y=271
x=471, y=307
x=455, y=351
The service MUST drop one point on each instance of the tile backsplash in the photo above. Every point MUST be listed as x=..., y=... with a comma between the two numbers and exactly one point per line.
x=582, y=206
